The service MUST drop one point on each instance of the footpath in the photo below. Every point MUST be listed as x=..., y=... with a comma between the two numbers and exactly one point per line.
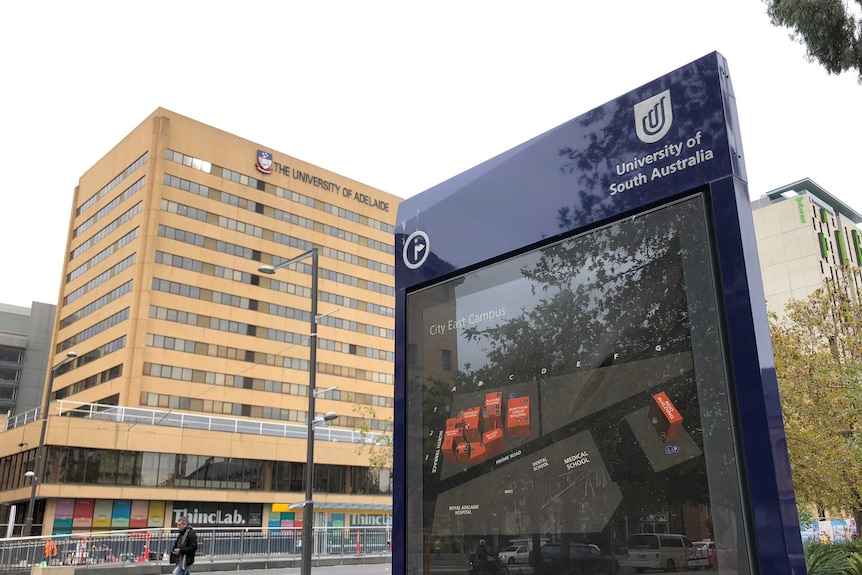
x=203, y=565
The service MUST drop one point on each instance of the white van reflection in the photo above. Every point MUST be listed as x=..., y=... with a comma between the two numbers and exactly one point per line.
x=662, y=551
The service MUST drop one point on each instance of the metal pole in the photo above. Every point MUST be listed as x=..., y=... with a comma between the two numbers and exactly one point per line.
x=308, y=508
x=37, y=467
x=308, y=505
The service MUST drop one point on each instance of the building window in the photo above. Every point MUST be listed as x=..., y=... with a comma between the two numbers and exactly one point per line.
x=446, y=359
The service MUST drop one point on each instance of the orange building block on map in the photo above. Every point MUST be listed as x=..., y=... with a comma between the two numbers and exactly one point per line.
x=494, y=440
x=451, y=439
x=493, y=412
x=472, y=424
x=518, y=419
x=664, y=417
x=462, y=452
x=477, y=452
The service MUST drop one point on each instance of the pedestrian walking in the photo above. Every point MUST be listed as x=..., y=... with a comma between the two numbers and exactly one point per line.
x=183, y=553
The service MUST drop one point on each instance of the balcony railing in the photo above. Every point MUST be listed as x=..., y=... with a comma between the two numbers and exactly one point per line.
x=170, y=418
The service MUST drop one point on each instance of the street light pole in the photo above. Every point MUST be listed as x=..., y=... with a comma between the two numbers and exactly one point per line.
x=308, y=507
x=36, y=474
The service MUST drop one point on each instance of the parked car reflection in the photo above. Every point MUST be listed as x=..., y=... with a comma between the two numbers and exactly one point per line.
x=583, y=559
x=514, y=554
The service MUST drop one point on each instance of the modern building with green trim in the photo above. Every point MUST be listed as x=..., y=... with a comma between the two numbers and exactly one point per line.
x=805, y=235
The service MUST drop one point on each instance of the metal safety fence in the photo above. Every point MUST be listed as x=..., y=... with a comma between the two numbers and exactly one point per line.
x=141, y=546
x=168, y=418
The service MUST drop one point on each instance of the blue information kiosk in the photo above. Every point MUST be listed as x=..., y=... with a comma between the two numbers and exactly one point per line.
x=583, y=366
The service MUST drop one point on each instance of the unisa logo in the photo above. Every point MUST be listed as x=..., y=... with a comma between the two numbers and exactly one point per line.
x=653, y=118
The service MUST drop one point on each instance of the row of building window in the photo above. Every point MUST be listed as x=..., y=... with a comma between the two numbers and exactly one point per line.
x=220, y=379
x=225, y=352
x=352, y=349
x=90, y=382
x=353, y=303
x=291, y=241
x=354, y=281
x=101, y=234
x=198, y=240
x=195, y=292
x=112, y=184
x=281, y=215
x=249, y=278
x=107, y=208
x=272, y=334
x=337, y=277
x=278, y=237
x=95, y=305
x=195, y=214
x=9, y=374
x=354, y=373
x=223, y=379
x=11, y=355
x=250, y=356
x=244, y=382
x=357, y=260
x=102, y=255
x=100, y=279
x=93, y=355
x=192, y=291
x=203, y=294
x=185, y=263
x=220, y=246
x=107, y=467
x=198, y=405
x=94, y=330
x=264, y=307
x=357, y=327
x=294, y=219
x=251, y=182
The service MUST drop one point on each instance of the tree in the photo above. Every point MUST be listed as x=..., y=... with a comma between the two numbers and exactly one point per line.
x=818, y=359
x=831, y=34
x=588, y=307
x=377, y=444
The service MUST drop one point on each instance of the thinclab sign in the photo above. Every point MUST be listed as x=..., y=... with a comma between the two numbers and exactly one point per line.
x=219, y=514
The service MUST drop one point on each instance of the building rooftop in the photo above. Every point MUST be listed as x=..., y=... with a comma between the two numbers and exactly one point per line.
x=808, y=186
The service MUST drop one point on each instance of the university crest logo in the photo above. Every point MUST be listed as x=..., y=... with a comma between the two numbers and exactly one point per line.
x=264, y=162
x=653, y=118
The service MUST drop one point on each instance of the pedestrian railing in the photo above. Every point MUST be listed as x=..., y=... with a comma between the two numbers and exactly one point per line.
x=169, y=418
x=141, y=546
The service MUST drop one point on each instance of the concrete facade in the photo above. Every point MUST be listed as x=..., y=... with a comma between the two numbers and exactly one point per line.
x=804, y=236
x=25, y=341
x=165, y=308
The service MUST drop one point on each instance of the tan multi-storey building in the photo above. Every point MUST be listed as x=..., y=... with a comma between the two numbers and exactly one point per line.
x=805, y=235
x=189, y=390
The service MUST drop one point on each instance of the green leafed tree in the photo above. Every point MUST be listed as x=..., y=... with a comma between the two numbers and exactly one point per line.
x=830, y=30
x=818, y=358
x=376, y=443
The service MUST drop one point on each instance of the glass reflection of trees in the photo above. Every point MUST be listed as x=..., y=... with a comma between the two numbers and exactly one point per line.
x=610, y=296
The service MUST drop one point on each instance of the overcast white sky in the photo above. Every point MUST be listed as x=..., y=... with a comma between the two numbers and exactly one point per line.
x=398, y=95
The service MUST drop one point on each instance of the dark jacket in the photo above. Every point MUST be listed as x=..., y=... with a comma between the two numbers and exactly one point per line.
x=482, y=554
x=187, y=543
